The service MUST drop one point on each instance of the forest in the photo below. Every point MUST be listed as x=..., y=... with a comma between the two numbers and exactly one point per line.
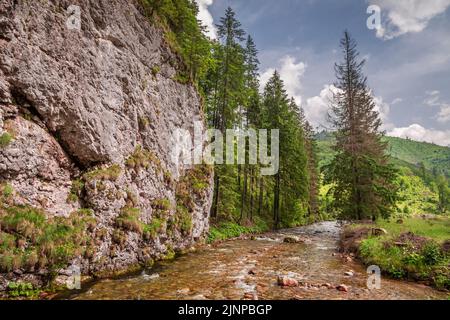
x=312, y=183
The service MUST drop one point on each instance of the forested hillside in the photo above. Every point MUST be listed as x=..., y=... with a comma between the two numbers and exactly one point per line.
x=420, y=166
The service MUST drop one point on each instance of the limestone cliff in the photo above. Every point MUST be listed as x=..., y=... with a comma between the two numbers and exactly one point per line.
x=85, y=122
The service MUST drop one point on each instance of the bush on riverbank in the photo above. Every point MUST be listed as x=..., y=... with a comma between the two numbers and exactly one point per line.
x=415, y=248
x=229, y=230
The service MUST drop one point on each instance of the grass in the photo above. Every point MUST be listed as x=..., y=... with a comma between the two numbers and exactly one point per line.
x=150, y=231
x=142, y=159
x=412, y=249
x=111, y=173
x=155, y=70
x=29, y=239
x=229, y=230
x=5, y=139
x=75, y=191
x=183, y=220
x=437, y=229
x=129, y=220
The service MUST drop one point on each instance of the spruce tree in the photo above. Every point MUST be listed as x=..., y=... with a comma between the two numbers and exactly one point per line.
x=362, y=178
x=290, y=182
x=229, y=98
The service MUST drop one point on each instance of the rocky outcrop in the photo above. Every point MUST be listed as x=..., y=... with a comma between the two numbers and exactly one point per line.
x=86, y=118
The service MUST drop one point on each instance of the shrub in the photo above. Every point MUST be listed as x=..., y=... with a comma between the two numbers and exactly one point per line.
x=129, y=220
x=142, y=159
x=432, y=253
x=21, y=289
x=75, y=190
x=6, y=190
x=151, y=230
x=155, y=70
x=5, y=139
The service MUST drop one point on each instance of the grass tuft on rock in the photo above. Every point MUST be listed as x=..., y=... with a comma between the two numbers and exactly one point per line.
x=5, y=139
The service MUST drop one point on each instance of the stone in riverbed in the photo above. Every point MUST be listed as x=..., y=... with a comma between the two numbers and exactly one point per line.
x=342, y=288
x=326, y=285
x=184, y=291
x=250, y=296
x=287, y=282
x=292, y=239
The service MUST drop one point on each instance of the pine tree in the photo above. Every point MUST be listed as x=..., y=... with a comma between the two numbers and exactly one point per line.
x=312, y=163
x=290, y=182
x=444, y=194
x=229, y=94
x=362, y=178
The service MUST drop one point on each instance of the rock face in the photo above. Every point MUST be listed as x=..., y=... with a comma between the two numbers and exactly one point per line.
x=97, y=107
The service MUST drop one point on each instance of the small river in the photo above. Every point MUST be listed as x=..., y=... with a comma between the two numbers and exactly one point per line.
x=250, y=268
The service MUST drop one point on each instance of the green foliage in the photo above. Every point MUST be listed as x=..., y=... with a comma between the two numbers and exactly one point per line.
x=129, y=220
x=155, y=70
x=21, y=289
x=29, y=239
x=75, y=191
x=411, y=249
x=151, y=230
x=228, y=230
x=361, y=177
x=184, y=220
x=111, y=173
x=183, y=32
x=142, y=159
x=6, y=190
x=5, y=139
x=417, y=195
x=414, y=152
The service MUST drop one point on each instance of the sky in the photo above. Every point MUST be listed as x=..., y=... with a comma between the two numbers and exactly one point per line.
x=407, y=54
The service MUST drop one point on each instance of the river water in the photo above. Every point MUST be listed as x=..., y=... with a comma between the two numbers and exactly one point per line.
x=250, y=268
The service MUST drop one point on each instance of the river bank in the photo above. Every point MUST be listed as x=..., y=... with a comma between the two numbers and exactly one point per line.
x=416, y=248
x=252, y=268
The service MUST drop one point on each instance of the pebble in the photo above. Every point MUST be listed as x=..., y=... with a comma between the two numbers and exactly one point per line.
x=287, y=282
x=342, y=288
x=250, y=296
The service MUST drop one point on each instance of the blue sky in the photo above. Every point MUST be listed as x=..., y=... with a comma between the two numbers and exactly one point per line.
x=408, y=55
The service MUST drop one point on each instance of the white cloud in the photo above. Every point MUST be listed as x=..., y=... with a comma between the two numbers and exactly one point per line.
x=206, y=18
x=396, y=100
x=401, y=17
x=316, y=108
x=291, y=72
x=383, y=109
x=444, y=115
x=419, y=133
x=433, y=99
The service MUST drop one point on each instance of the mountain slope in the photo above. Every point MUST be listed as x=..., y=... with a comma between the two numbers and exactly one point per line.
x=405, y=152
x=418, y=194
